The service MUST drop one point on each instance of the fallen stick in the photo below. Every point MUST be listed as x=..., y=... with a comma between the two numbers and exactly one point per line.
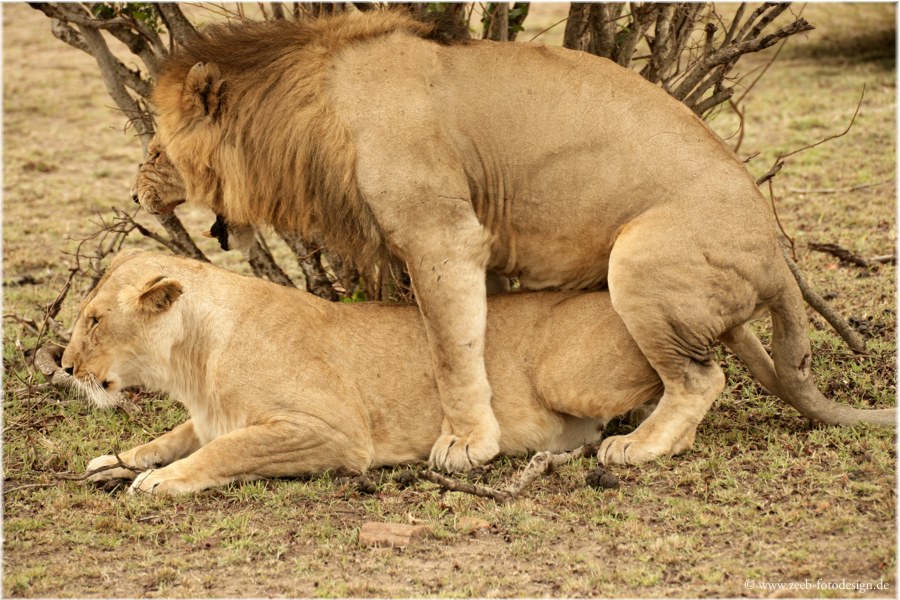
x=821, y=306
x=540, y=464
x=843, y=254
x=393, y=535
x=119, y=465
x=884, y=259
x=453, y=485
x=851, y=188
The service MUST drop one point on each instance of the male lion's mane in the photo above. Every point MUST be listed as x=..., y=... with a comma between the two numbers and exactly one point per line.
x=267, y=147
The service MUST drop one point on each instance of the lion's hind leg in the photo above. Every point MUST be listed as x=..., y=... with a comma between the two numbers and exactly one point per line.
x=671, y=427
x=675, y=302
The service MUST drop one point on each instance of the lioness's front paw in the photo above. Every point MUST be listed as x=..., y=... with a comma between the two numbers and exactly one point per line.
x=457, y=454
x=106, y=468
x=629, y=450
x=158, y=481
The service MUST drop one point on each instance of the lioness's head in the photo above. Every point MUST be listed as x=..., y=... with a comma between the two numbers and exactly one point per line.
x=116, y=324
x=158, y=187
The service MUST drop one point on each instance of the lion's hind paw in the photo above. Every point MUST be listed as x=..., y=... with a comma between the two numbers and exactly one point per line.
x=627, y=450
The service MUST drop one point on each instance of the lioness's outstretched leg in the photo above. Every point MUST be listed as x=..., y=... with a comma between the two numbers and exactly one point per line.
x=308, y=445
x=165, y=449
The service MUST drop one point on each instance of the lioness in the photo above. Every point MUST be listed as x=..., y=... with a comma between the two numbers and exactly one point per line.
x=279, y=382
x=553, y=166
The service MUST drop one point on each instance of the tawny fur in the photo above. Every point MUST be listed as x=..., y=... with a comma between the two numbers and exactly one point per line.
x=280, y=383
x=295, y=168
x=158, y=185
x=553, y=166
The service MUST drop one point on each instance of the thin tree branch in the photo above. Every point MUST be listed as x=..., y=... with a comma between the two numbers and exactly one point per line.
x=843, y=254
x=180, y=29
x=118, y=465
x=730, y=53
x=539, y=465
x=735, y=22
x=713, y=101
x=263, y=264
x=831, y=137
x=843, y=190
x=821, y=306
x=317, y=280
x=111, y=69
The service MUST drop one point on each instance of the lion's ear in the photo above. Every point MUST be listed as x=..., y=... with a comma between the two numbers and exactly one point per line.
x=155, y=296
x=204, y=90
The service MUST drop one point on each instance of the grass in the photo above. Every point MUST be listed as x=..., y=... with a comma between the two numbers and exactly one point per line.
x=763, y=497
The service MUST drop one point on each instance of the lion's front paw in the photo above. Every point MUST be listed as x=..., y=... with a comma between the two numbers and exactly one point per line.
x=104, y=468
x=629, y=450
x=457, y=454
x=159, y=481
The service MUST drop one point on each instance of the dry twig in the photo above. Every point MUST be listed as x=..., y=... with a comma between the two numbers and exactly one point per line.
x=843, y=254
x=539, y=465
x=821, y=306
x=46, y=360
x=118, y=465
x=843, y=190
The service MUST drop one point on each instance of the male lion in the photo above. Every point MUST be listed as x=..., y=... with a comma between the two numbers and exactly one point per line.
x=553, y=166
x=279, y=382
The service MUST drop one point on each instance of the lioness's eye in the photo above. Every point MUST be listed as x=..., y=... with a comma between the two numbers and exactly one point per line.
x=93, y=321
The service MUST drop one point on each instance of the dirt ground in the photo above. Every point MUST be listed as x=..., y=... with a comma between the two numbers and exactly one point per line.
x=764, y=506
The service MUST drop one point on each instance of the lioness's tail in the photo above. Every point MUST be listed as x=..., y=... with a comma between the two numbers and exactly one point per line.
x=789, y=375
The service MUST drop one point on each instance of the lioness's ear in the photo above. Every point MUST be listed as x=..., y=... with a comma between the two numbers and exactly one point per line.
x=204, y=90
x=157, y=295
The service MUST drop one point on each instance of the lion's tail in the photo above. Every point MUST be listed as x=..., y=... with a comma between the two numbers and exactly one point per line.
x=788, y=375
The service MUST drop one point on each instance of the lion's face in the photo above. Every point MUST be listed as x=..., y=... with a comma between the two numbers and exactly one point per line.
x=158, y=186
x=114, y=326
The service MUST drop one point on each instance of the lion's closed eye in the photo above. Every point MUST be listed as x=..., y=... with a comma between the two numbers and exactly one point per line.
x=92, y=322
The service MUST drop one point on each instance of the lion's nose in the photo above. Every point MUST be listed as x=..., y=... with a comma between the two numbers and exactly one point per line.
x=69, y=370
x=134, y=197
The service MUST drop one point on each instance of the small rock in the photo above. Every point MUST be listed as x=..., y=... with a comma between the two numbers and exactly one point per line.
x=471, y=524
x=601, y=479
x=395, y=535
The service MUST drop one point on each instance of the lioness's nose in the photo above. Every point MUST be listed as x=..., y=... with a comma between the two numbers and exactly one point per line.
x=69, y=370
x=134, y=197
